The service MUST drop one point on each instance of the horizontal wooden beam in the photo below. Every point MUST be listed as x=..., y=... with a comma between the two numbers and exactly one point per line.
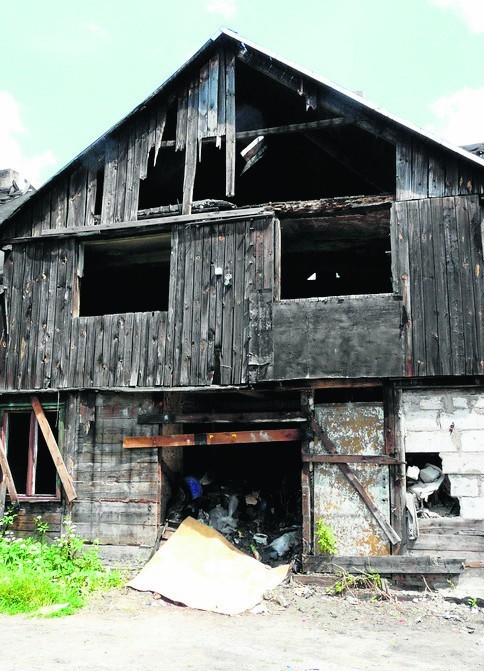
x=349, y=459
x=222, y=438
x=222, y=418
x=423, y=564
x=279, y=130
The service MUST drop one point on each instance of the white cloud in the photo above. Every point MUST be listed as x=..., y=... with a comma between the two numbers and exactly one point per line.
x=96, y=29
x=459, y=117
x=470, y=11
x=12, y=154
x=227, y=8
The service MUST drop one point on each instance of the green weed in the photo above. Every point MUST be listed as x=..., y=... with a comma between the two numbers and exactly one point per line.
x=326, y=538
x=36, y=573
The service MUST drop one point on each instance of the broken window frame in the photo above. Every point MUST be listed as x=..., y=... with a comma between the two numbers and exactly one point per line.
x=30, y=496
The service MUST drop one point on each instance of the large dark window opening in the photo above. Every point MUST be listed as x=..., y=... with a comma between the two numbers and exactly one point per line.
x=33, y=469
x=336, y=256
x=125, y=275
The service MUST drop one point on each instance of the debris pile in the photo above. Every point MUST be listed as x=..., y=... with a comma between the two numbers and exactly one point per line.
x=256, y=523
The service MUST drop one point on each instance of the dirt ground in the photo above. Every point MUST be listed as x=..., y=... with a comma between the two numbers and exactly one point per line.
x=298, y=628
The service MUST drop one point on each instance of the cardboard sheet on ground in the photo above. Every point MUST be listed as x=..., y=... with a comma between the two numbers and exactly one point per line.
x=198, y=567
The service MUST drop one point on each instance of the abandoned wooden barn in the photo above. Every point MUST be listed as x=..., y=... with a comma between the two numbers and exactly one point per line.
x=261, y=275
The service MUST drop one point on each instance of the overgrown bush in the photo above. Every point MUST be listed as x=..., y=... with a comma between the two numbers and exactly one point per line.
x=36, y=573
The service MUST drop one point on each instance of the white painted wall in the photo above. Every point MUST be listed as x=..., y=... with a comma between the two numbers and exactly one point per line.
x=451, y=423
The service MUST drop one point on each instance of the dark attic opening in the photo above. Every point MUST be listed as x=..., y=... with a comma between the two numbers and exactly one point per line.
x=125, y=275
x=336, y=256
x=250, y=493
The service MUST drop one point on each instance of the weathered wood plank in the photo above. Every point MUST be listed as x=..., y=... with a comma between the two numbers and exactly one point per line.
x=191, y=150
x=454, y=287
x=221, y=438
x=230, y=145
x=385, y=565
x=77, y=196
x=110, y=179
x=213, y=76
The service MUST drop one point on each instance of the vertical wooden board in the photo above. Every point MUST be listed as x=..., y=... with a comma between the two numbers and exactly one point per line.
x=267, y=226
x=29, y=310
x=403, y=171
x=203, y=101
x=191, y=149
x=469, y=283
x=218, y=255
x=97, y=346
x=418, y=304
x=249, y=295
x=401, y=275
x=38, y=345
x=436, y=175
x=136, y=169
x=59, y=204
x=212, y=115
x=196, y=351
x=91, y=190
x=441, y=293
x=420, y=170
x=183, y=365
x=16, y=267
x=144, y=143
x=136, y=350
x=73, y=360
x=122, y=177
x=117, y=348
x=230, y=130
x=65, y=315
x=476, y=221
x=277, y=259
x=228, y=304
x=76, y=204
x=88, y=370
x=454, y=287
x=181, y=120
x=429, y=295
x=127, y=351
x=77, y=374
x=205, y=281
x=110, y=179
x=131, y=197
x=451, y=186
x=212, y=244
x=144, y=319
x=221, y=124
x=105, y=363
x=160, y=350
x=160, y=128
x=41, y=216
x=238, y=347
x=176, y=271
x=152, y=348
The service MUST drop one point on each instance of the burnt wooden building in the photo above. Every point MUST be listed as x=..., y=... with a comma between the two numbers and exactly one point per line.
x=253, y=262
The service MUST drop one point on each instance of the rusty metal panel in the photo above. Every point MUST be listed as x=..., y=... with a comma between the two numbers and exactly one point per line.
x=355, y=428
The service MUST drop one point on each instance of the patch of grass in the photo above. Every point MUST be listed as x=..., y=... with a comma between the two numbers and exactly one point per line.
x=368, y=580
x=35, y=573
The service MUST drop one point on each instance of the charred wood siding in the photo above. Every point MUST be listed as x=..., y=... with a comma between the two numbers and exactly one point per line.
x=216, y=331
x=358, y=336
x=438, y=267
x=423, y=172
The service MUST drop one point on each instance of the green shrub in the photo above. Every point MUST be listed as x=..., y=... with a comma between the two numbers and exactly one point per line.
x=35, y=573
x=326, y=538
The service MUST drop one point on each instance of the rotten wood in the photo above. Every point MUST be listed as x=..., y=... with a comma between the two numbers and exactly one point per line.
x=221, y=438
x=348, y=459
x=388, y=530
x=64, y=476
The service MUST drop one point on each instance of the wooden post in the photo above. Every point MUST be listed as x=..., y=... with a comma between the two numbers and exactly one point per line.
x=5, y=469
x=307, y=408
x=54, y=449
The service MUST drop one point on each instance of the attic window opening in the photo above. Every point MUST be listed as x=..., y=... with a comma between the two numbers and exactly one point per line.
x=336, y=256
x=125, y=275
x=33, y=469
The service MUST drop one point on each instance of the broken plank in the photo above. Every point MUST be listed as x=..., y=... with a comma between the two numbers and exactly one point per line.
x=222, y=438
x=5, y=468
x=54, y=449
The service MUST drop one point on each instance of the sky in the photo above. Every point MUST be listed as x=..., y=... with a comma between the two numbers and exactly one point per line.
x=71, y=70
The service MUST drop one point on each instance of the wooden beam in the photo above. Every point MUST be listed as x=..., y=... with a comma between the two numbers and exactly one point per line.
x=423, y=564
x=5, y=469
x=348, y=459
x=388, y=530
x=222, y=438
x=54, y=449
x=221, y=418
